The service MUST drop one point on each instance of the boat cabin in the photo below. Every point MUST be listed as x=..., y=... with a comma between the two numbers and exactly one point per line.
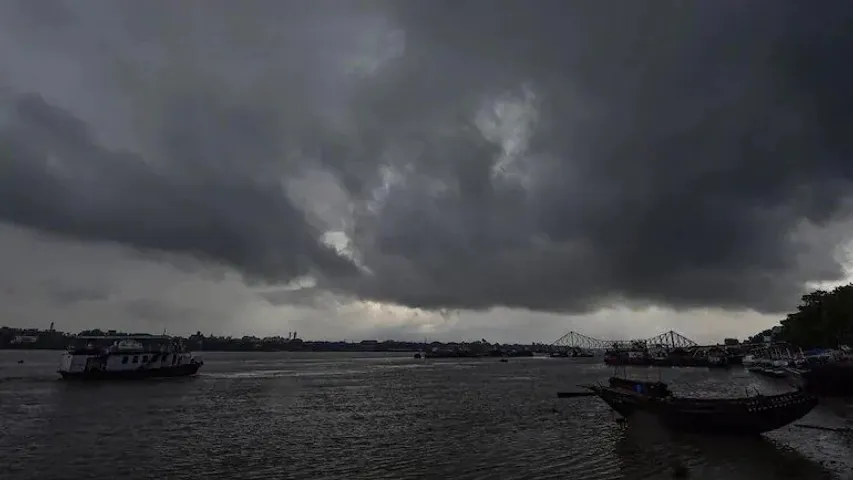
x=650, y=389
x=124, y=353
x=99, y=345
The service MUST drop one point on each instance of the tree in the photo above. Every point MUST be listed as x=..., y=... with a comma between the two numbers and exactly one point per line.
x=823, y=319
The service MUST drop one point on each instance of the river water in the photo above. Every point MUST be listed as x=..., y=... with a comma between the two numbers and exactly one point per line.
x=372, y=416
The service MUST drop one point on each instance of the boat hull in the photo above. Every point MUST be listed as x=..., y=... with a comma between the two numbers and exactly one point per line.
x=747, y=416
x=139, y=374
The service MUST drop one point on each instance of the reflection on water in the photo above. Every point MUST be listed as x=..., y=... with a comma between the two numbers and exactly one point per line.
x=329, y=416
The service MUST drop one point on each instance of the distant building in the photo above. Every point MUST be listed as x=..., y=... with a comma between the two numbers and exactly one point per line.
x=21, y=339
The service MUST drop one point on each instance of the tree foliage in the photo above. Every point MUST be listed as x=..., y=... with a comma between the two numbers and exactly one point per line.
x=823, y=319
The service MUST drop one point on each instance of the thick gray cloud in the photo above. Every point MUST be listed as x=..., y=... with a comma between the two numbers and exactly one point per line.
x=56, y=179
x=560, y=157
x=46, y=279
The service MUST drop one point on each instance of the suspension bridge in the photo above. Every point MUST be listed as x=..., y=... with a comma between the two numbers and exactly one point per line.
x=669, y=340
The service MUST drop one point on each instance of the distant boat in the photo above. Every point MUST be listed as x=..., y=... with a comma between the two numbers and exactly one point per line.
x=740, y=416
x=828, y=372
x=572, y=353
x=127, y=357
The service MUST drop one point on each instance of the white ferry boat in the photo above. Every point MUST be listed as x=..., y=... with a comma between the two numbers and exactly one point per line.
x=127, y=357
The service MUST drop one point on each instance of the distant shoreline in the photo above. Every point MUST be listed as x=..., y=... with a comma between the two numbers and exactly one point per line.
x=13, y=339
x=48, y=349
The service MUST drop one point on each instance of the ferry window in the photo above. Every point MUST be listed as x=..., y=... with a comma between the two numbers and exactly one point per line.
x=154, y=357
x=124, y=359
x=144, y=358
x=136, y=359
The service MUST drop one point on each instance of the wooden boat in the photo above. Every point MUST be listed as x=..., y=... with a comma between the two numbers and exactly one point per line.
x=737, y=416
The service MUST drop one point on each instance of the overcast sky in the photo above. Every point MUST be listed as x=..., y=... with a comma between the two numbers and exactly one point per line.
x=406, y=169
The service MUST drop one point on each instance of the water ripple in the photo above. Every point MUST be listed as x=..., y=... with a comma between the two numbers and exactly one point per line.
x=291, y=416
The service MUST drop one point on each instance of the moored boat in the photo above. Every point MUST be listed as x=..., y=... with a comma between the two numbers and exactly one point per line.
x=127, y=357
x=828, y=373
x=712, y=356
x=617, y=357
x=573, y=352
x=737, y=416
x=775, y=356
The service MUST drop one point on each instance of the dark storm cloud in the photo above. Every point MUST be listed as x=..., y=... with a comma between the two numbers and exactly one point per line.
x=156, y=311
x=673, y=149
x=63, y=294
x=56, y=179
x=677, y=148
